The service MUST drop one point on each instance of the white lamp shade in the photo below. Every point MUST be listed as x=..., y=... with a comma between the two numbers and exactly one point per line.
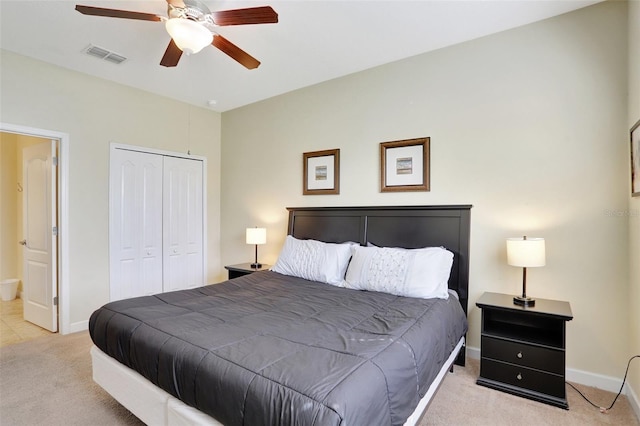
x=256, y=235
x=525, y=252
x=188, y=35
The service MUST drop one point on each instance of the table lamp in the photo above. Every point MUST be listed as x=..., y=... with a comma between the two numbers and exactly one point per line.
x=526, y=253
x=256, y=236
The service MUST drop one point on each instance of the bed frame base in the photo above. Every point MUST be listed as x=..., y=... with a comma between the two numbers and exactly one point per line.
x=387, y=226
x=154, y=406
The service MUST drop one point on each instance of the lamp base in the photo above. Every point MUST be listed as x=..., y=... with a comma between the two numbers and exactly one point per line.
x=256, y=265
x=524, y=301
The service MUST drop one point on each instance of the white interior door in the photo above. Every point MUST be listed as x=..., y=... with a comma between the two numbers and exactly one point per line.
x=183, y=260
x=40, y=241
x=135, y=224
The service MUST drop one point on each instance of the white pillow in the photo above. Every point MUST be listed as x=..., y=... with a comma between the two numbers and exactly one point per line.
x=314, y=260
x=422, y=273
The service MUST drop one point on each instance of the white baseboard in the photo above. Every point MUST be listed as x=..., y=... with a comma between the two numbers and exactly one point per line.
x=73, y=328
x=595, y=380
x=473, y=353
x=78, y=326
x=586, y=378
x=634, y=401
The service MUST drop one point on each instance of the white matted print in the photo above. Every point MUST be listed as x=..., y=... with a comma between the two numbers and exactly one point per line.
x=635, y=160
x=404, y=165
x=321, y=172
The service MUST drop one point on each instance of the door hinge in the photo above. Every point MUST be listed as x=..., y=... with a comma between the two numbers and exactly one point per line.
x=55, y=301
x=55, y=161
x=55, y=231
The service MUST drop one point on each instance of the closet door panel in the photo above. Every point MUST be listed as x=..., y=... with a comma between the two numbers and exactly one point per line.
x=183, y=262
x=135, y=228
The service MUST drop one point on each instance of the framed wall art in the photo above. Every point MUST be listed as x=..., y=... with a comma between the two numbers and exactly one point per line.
x=404, y=165
x=635, y=160
x=321, y=172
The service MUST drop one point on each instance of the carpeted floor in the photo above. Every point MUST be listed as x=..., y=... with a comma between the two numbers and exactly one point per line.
x=47, y=381
x=478, y=405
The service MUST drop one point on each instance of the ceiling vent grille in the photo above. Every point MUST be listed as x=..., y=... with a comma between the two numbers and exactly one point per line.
x=107, y=55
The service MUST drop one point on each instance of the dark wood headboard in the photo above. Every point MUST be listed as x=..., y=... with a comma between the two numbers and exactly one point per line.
x=391, y=226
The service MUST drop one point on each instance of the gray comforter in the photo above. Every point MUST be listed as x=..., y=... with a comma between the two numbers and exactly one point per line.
x=268, y=349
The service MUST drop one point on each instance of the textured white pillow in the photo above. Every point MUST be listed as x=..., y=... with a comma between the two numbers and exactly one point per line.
x=314, y=260
x=422, y=273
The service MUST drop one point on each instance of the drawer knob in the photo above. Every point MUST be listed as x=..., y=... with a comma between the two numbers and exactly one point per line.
x=519, y=376
x=519, y=355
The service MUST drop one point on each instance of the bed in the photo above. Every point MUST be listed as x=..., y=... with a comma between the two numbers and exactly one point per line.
x=269, y=348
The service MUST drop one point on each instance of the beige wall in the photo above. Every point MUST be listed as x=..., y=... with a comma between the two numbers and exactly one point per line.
x=634, y=203
x=94, y=113
x=528, y=125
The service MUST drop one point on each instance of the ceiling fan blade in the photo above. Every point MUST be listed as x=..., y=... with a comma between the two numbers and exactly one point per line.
x=235, y=52
x=252, y=15
x=115, y=13
x=171, y=55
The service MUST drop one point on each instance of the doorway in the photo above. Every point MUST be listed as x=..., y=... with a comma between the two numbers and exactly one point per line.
x=13, y=137
x=28, y=214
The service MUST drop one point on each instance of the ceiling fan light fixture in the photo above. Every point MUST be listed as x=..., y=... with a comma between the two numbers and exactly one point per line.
x=189, y=36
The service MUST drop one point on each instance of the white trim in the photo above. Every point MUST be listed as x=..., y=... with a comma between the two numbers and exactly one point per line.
x=78, y=326
x=115, y=145
x=63, y=215
x=473, y=353
x=634, y=401
x=600, y=381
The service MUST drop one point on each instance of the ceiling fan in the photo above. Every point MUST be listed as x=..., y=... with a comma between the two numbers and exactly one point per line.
x=192, y=27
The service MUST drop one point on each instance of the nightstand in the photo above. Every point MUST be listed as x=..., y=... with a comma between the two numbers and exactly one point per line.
x=522, y=349
x=241, y=269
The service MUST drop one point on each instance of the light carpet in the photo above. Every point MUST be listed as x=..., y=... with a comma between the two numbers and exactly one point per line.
x=47, y=381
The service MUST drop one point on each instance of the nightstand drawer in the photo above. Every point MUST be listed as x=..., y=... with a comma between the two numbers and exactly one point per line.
x=523, y=377
x=544, y=359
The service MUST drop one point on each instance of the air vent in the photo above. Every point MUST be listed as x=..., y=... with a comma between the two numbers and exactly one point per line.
x=105, y=54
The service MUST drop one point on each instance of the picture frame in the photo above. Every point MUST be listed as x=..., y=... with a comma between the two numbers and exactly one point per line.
x=404, y=165
x=635, y=159
x=321, y=172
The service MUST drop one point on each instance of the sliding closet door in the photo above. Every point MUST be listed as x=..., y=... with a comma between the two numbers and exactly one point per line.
x=183, y=260
x=135, y=224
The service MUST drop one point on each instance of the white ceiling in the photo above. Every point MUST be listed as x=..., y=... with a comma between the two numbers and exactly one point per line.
x=313, y=41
